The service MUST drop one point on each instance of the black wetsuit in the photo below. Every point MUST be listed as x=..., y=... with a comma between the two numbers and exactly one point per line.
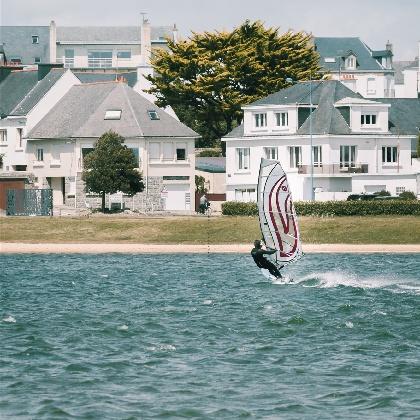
x=262, y=262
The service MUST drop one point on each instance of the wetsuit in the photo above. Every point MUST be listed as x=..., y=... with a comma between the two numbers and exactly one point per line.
x=262, y=262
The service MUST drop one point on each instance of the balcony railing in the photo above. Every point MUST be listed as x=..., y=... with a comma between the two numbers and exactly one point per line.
x=335, y=169
x=100, y=62
x=68, y=62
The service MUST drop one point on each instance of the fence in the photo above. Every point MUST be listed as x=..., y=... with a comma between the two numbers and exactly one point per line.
x=29, y=202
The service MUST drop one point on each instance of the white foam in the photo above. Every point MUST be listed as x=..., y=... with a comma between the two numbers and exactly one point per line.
x=207, y=302
x=349, y=324
x=104, y=275
x=9, y=319
x=162, y=347
x=123, y=327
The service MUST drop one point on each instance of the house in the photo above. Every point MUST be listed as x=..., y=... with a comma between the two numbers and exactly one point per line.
x=361, y=69
x=358, y=145
x=25, y=98
x=407, y=78
x=163, y=146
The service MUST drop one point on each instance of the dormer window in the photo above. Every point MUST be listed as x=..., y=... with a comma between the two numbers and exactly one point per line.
x=113, y=114
x=153, y=115
x=350, y=62
x=368, y=120
x=282, y=119
x=260, y=120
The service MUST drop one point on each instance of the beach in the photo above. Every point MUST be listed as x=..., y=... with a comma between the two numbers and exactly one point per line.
x=137, y=248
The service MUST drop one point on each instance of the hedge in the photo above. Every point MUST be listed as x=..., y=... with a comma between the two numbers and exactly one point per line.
x=333, y=208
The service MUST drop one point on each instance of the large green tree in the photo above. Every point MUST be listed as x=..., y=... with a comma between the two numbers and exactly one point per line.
x=208, y=77
x=111, y=167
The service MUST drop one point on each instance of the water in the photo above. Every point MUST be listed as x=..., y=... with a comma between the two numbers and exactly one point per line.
x=197, y=336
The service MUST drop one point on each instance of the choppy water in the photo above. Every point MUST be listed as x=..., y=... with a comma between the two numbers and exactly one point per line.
x=197, y=336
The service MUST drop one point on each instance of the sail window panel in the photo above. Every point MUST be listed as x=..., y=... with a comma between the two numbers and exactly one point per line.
x=168, y=151
x=271, y=153
x=242, y=158
x=295, y=156
x=154, y=151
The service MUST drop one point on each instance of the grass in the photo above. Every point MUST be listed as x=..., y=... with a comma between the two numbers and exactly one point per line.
x=200, y=230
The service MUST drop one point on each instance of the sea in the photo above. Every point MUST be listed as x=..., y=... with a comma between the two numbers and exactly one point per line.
x=206, y=336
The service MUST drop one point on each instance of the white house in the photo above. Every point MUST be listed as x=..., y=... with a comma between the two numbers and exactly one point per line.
x=27, y=96
x=361, y=69
x=163, y=146
x=407, y=78
x=358, y=145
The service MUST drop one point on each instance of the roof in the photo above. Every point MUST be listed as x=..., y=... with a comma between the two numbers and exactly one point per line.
x=93, y=77
x=339, y=47
x=38, y=92
x=80, y=114
x=210, y=164
x=14, y=88
x=400, y=66
x=108, y=34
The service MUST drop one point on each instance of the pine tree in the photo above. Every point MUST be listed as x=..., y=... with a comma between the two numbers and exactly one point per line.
x=207, y=78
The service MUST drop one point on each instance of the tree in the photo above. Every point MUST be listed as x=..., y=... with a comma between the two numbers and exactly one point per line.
x=407, y=195
x=207, y=78
x=200, y=184
x=111, y=167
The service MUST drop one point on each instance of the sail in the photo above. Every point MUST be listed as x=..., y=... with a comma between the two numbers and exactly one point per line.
x=278, y=221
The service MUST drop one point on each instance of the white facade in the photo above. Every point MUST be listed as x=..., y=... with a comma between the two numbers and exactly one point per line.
x=367, y=160
x=411, y=86
x=14, y=128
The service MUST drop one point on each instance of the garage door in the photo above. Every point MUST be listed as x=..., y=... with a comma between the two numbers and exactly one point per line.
x=178, y=197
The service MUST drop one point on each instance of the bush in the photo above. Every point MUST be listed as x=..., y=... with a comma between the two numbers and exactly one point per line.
x=333, y=208
x=382, y=193
x=407, y=195
x=210, y=153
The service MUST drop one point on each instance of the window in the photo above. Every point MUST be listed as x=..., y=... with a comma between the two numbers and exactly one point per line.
x=35, y=39
x=282, y=119
x=371, y=85
x=245, y=194
x=399, y=190
x=153, y=115
x=242, y=158
x=389, y=154
x=271, y=153
x=154, y=151
x=124, y=55
x=19, y=137
x=350, y=62
x=68, y=58
x=15, y=61
x=181, y=152
x=135, y=151
x=368, y=119
x=347, y=156
x=260, y=120
x=175, y=178
x=40, y=155
x=295, y=156
x=329, y=59
x=168, y=151
x=113, y=114
x=3, y=136
x=37, y=60
x=317, y=155
x=101, y=59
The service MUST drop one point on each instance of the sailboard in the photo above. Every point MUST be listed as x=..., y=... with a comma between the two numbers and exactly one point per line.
x=277, y=215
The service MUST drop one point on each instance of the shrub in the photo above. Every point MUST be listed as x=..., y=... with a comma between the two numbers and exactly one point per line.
x=407, y=195
x=382, y=193
x=210, y=153
x=333, y=208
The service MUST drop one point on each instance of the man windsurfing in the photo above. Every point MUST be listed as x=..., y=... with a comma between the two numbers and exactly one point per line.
x=258, y=255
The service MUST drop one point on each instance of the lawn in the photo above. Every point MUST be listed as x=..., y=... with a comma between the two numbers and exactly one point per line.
x=201, y=230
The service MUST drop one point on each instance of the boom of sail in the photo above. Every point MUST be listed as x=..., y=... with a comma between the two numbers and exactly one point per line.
x=278, y=221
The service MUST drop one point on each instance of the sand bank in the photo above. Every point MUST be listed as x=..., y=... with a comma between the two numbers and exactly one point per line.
x=62, y=248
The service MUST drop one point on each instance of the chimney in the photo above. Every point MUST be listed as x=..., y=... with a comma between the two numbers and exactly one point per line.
x=53, y=42
x=45, y=68
x=175, y=34
x=145, y=41
x=388, y=46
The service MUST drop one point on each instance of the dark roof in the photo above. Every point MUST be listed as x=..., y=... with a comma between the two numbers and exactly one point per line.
x=237, y=131
x=80, y=113
x=339, y=47
x=93, y=77
x=14, y=88
x=38, y=92
x=108, y=34
x=404, y=115
x=210, y=164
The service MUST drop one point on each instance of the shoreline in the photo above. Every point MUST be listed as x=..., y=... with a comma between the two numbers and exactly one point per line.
x=129, y=248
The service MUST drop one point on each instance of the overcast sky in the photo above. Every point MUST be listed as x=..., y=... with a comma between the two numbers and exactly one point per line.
x=374, y=21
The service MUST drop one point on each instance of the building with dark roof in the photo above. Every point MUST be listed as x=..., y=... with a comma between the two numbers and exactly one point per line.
x=330, y=140
x=163, y=146
x=407, y=77
x=360, y=68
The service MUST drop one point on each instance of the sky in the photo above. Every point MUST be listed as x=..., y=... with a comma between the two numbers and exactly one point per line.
x=374, y=21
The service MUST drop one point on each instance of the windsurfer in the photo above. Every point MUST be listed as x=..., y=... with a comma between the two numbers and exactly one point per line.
x=258, y=255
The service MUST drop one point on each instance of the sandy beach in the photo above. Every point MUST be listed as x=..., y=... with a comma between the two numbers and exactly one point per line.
x=96, y=248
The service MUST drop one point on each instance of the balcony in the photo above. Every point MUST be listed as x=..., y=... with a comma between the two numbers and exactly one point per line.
x=334, y=169
x=101, y=63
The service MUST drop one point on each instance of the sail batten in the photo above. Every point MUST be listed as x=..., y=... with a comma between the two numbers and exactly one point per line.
x=278, y=221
